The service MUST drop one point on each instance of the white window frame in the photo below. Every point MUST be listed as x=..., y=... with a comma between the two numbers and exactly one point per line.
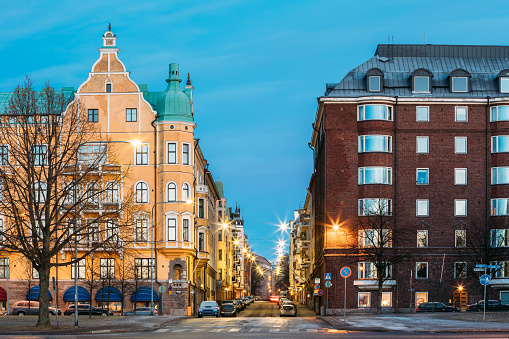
x=495, y=175
x=506, y=81
x=417, y=113
x=456, y=202
x=496, y=201
x=204, y=201
x=173, y=218
x=456, y=144
x=367, y=241
x=417, y=144
x=4, y=156
x=167, y=191
x=136, y=201
x=362, y=175
x=467, y=85
x=425, y=301
x=429, y=84
x=189, y=162
x=188, y=229
x=137, y=222
x=361, y=113
x=417, y=176
x=456, y=232
x=40, y=158
x=379, y=83
x=456, y=273
x=424, y=232
x=417, y=210
x=494, y=237
x=140, y=146
x=168, y=152
x=189, y=193
x=82, y=269
x=427, y=270
x=456, y=175
x=390, y=299
x=369, y=300
x=362, y=144
x=456, y=113
x=362, y=206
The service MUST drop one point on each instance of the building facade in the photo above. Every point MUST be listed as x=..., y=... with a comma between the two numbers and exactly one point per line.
x=419, y=131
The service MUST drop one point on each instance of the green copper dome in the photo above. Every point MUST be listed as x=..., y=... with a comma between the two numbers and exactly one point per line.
x=173, y=104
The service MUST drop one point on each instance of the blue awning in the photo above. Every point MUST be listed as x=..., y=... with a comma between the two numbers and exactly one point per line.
x=83, y=294
x=33, y=294
x=102, y=294
x=143, y=294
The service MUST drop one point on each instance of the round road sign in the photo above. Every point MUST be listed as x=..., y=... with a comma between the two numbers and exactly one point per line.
x=162, y=289
x=320, y=292
x=328, y=284
x=485, y=279
x=345, y=272
x=317, y=286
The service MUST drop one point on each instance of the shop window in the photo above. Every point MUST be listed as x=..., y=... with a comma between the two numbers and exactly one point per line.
x=364, y=299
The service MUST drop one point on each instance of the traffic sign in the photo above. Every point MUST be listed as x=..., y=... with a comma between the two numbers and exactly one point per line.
x=481, y=265
x=315, y=292
x=327, y=276
x=493, y=266
x=345, y=272
x=328, y=284
x=317, y=280
x=320, y=292
x=317, y=286
x=162, y=289
x=192, y=291
x=170, y=288
x=169, y=292
x=479, y=269
x=485, y=279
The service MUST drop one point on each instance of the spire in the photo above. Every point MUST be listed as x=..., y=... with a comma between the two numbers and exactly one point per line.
x=109, y=27
x=188, y=80
x=109, y=39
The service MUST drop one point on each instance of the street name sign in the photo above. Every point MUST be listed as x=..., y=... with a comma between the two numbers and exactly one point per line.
x=493, y=266
x=485, y=279
x=481, y=265
x=345, y=272
x=317, y=280
x=328, y=284
x=328, y=276
x=478, y=269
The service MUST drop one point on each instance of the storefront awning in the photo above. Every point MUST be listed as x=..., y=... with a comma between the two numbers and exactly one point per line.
x=83, y=294
x=143, y=294
x=33, y=294
x=114, y=294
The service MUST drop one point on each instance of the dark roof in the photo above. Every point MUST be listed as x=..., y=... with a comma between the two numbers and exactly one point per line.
x=397, y=62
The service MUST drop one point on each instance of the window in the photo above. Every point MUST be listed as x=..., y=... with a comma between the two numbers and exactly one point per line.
x=111, y=230
x=172, y=191
x=172, y=229
x=386, y=299
x=460, y=238
x=220, y=255
x=375, y=206
x=94, y=231
x=141, y=192
x=459, y=84
x=185, y=192
x=421, y=269
x=1, y=229
x=421, y=84
x=141, y=230
x=143, y=268
x=500, y=238
x=185, y=229
x=374, y=83
x=92, y=195
x=500, y=206
x=375, y=143
x=172, y=153
x=461, y=114
x=460, y=270
x=422, y=238
x=142, y=154
x=108, y=88
x=3, y=268
x=35, y=273
x=366, y=270
x=220, y=274
x=40, y=192
x=375, y=238
x=422, y=207
x=201, y=208
x=40, y=155
x=220, y=235
x=500, y=144
x=422, y=176
x=499, y=113
x=93, y=115
x=112, y=192
x=81, y=269
x=422, y=144
x=375, y=175
x=95, y=154
x=421, y=297
x=503, y=271
x=364, y=299
x=460, y=176
x=460, y=145
x=185, y=154
x=201, y=242
x=460, y=207
x=422, y=113
x=107, y=268
x=374, y=112
x=131, y=114
x=504, y=85
x=4, y=154
x=499, y=175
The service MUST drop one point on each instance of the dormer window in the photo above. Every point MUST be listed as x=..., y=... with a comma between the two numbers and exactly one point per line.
x=374, y=80
x=421, y=80
x=107, y=86
x=460, y=81
x=503, y=81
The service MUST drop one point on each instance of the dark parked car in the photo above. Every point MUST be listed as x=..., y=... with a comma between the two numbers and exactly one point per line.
x=246, y=301
x=436, y=307
x=209, y=308
x=493, y=305
x=238, y=305
x=87, y=309
x=141, y=311
x=242, y=303
x=228, y=310
x=22, y=308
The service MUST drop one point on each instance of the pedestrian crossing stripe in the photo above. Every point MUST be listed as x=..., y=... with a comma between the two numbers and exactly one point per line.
x=253, y=329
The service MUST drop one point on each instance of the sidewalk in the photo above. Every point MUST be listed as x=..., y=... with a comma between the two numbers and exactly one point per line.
x=15, y=325
x=422, y=322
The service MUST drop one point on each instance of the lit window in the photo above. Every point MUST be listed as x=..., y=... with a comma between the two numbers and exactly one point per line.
x=499, y=206
x=375, y=175
x=93, y=115
x=460, y=270
x=143, y=268
x=141, y=193
x=421, y=84
x=374, y=112
x=364, y=299
x=422, y=238
x=386, y=299
x=375, y=206
x=422, y=144
x=460, y=238
x=500, y=238
x=460, y=145
x=142, y=154
x=366, y=270
x=185, y=192
x=504, y=85
x=499, y=113
x=460, y=207
x=461, y=114
x=460, y=176
x=131, y=114
x=81, y=269
x=422, y=176
x=421, y=269
x=422, y=113
x=172, y=192
x=374, y=83
x=421, y=297
x=503, y=271
x=459, y=84
x=500, y=144
x=172, y=229
x=172, y=153
x=422, y=207
x=375, y=143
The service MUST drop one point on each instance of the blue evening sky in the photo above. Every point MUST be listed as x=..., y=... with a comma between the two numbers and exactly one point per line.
x=257, y=67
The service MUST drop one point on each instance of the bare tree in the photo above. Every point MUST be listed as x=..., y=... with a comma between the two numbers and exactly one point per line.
x=56, y=170
x=283, y=273
x=257, y=280
x=92, y=278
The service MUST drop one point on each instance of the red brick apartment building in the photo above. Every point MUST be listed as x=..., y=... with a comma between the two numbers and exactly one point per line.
x=424, y=131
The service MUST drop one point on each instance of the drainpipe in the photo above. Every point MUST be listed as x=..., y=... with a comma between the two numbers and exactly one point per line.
x=395, y=183
x=488, y=163
x=154, y=217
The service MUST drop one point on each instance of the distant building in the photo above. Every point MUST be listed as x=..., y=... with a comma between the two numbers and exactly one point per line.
x=266, y=268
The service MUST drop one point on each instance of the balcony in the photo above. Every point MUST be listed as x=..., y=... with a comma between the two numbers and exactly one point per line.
x=372, y=284
x=499, y=283
x=202, y=189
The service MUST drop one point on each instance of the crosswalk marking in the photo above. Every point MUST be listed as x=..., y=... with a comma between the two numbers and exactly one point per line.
x=180, y=330
x=274, y=330
x=234, y=330
x=163, y=330
x=311, y=330
x=199, y=330
x=255, y=329
x=217, y=330
x=248, y=329
x=294, y=330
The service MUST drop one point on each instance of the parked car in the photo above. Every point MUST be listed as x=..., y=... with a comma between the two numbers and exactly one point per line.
x=87, y=309
x=242, y=302
x=238, y=305
x=493, y=305
x=282, y=300
x=251, y=299
x=257, y=298
x=30, y=308
x=140, y=311
x=228, y=310
x=436, y=307
x=209, y=308
x=288, y=309
x=246, y=301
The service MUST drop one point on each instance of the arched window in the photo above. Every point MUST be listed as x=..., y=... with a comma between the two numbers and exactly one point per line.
x=112, y=192
x=141, y=192
x=177, y=272
x=185, y=191
x=40, y=192
x=172, y=191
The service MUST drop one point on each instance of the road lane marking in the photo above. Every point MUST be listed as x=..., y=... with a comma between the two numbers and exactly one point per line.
x=234, y=330
x=180, y=330
x=255, y=329
x=217, y=330
x=162, y=330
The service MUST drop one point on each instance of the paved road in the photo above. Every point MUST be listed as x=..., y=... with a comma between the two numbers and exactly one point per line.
x=269, y=309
